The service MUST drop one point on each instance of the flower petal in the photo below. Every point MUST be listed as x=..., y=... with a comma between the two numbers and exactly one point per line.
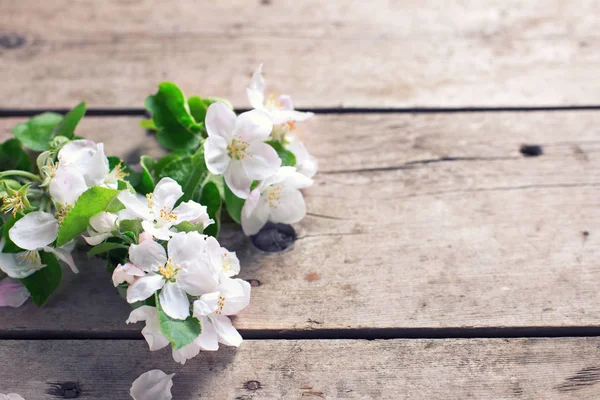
x=64, y=254
x=206, y=305
x=255, y=125
x=154, y=385
x=263, y=162
x=237, y=180
x=192, y=212
x=198, y=278
x=103, y=222
x=208, y=339
x=134, y=205
x=166, y=193
x=96, y=168
x=12, y=293
x=227, y=334
x=144, y=287
x=147, y=255
x=290, y=209
x=216, y=154
x=186, y=353
x=258, y=81
x=255, y=213
x=256, y=99
x=35, y=230
x=185, y=248
x=15, y=269
x=220, y=121
x=126, y=273
x=237, y=295
x=67, y=185
x=152, y=333
x=162, y=233
x=174, y=301
x=221, y=259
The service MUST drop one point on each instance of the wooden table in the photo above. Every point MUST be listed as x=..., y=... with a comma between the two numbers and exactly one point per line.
x=437, y=260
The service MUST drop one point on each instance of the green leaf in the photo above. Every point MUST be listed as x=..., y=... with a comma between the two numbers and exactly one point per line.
x=148, y=124
x=68, y=124
x=9, y=246
x=197, y=176
x=36, y=133
x=90, y=203
x=233, y=205
x=176, y=127
x=179, y=169
x=131, y=225
x=211, y=198
x=288, y=159
x=179, y=332
x=187, y=226
x=104, y=248
x=45, y=281
x=12, y=156
x=146, y=181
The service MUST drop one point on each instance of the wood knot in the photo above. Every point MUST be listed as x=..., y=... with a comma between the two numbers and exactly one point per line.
x=11, y=41
x=531, y=150
x=254, y=282
x=66, y=390
x=252, y=385
x=274, y=237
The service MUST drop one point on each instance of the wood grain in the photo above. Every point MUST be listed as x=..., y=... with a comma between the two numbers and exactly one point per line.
x=416, y=221
x=561, y=368
x=336, y=54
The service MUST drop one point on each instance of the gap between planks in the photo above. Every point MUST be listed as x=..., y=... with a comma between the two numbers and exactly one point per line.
x=133, y=112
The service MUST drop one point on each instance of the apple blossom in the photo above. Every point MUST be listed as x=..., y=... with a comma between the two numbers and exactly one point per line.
x=101, y=226
x=126, y=273
x=276, y=199
x=12, y=293
x=281, y=109
x=158, y=215
x=185, y=272
x=306, y=164
x=152, y=385
x=235, y=147
x=212, y=309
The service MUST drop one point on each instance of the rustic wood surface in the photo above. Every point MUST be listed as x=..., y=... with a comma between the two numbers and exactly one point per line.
x=557, y=368
x=416, y=221
x=327, y=54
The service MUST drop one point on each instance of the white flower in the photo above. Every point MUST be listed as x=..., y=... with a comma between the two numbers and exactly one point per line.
x=35, y=232
x=82, y=164
x=126, y=273
x=12, y=293
x=152, y=385
x=232, y=296
x=156, y=340
x=281, y=109
x=101, y=226
x=306, y=164
x=158, y=215
x=276, y=199
x=235, y=147
x=11, y=396
x=185, y=272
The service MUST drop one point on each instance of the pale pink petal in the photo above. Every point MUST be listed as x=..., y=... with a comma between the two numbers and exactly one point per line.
x=166, y=193
x=237, y=180
x=208, y=339
x=220, y=121
x=144, y=287
x=67, y=185
x=216, y=154
x=134, y=205
x=290, y=209
x=126, y=273
x=255, y=125
x=152, y=385
x=255, y=213
x=147, y=255
x=262, y=162
x=34, y=230
x=236, y=293
x=226, y=332
x=12, y=293
x=174, y=301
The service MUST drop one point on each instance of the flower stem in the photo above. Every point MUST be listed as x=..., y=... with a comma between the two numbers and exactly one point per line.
x=24, y=174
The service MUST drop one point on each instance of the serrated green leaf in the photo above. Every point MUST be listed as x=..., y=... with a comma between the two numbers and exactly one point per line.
x=179, y=332
x=9, y=246
x=176, y=127
x=179, y=170
x=288, y=159
x=211, y=198
x=36, y=133
x=131, y=225
x=146, y=182
x=104, y=248
x=197, y=176
x=69, y=122
x=12, y=156
x=187, y=226
x=45, y=281
x=90, y=203
x=233, y=205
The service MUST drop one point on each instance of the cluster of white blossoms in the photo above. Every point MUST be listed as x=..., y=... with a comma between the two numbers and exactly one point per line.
x=236, y=147
x=158, y=240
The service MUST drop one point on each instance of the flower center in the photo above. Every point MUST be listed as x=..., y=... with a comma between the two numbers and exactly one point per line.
x=169, y=270
x=273, y=102
x=30, y=257
x=168, y=215
x=274, y=195
x=220, y=304
x=61, y=213
x=12, y=204
x=149, y=198
x=227, y=263
x=237, y=148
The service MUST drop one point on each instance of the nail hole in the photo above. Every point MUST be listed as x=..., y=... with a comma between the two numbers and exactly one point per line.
x=252, y=385
x=274, y=237
x=11, y=41
x=254, y=282
x=531, y=150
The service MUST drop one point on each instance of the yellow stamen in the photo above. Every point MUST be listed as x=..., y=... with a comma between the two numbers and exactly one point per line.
x=61, y=213
x=273, y=102
x=30, y=257
x=168, y=215
x=120, y=173
x=221, y=304
x=169, y=270
x=237, y=148
x=227, y=263
x=12, y=204
x=149, y=197
x=273, y=195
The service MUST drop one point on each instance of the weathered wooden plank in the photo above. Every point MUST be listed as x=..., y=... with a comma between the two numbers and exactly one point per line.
x=417, y=221
x=562, y=368
x=349, y=54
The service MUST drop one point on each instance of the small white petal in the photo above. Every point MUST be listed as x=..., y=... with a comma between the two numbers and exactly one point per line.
x=262, y=162
x=67, y=185
x=290, y=209
x=12, y=293
x=126, y=273
x=147, y=255
x=221, y=259
x=208, y=339
x=166, y=193
x=258, y=81
x=185, y=248
x=15, y=269
x=226, y=332
x=134, y=205
x=237, y=179
x=255, y=125
x=96, y=239
x=192, y=212
x=255, y=213
x=152, y=333
x=186, y=353
x=144, y=287
x=103, y=222
x=220, y=121
x=216, y=155
x=64, y=254
x=256, y=99
x=237, y=295
x=174, y=301
x=162, y=233
x=97, y=167
x=152, y=385
x=34, y=230
x=207, y=304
